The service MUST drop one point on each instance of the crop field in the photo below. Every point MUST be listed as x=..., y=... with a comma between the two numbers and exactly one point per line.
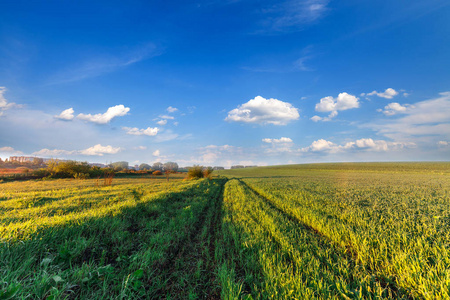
x=319, y=231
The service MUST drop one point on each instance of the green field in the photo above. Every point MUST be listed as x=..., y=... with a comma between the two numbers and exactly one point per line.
x=319, y=231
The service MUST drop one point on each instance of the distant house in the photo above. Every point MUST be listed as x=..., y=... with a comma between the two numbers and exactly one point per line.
x=21, y=159
x=97, y=165
x=237, y=167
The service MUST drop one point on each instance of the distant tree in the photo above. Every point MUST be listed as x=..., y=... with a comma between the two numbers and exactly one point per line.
x=144, y=166
x=157, y=166
x=207, y=172
x=120, y=165
x=38, y=161
x=170, y=167
x=195, y=172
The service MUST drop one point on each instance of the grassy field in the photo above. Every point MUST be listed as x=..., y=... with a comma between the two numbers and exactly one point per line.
x=319, y=231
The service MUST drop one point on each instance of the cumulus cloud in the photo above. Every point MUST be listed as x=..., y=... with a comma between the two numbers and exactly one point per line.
x=4, y=104
x=283, y=144
x=111, y=113
x=322, y=145
x=389, y=93
x=316, y=118
x=97, y=150
x=394, y=108
x=156, y=153
x=440, y=143
x=10, y=150
x=264, y=111
x=66, y=114
x=277, y=141
x=344, y=101
x=171, y=109
x=162, y=122
x=136, y=131
x=325, y=119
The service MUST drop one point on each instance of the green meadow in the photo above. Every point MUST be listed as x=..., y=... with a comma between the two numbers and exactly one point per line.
x=318, y=231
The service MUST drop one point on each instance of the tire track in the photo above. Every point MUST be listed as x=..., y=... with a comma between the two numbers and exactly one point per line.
x=196, y=249
x=349, y=252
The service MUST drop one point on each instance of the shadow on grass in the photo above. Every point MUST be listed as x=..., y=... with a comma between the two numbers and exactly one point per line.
x=132, y=254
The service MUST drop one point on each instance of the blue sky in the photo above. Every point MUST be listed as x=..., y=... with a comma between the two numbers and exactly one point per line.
x=225, y=82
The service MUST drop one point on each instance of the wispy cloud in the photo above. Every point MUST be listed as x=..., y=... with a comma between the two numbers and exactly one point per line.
x=171, y=109
x=97, y=150
x=389, y=93
x=292, y=15
x=103, y=64
x=369, y=144
x=4, y=104
x=149, y=131
x=10, y=150
x=425, y=120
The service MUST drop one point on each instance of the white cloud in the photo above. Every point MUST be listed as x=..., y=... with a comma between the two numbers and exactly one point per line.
x=299, y=64
x=440, y=143
x=55, y=152
x=10, y=150
x=292, y=15
x=264, y=111
x=325, y=119
x=99, y=150
x=280, y=145
x=344, y=101
x=319, y=145
x=162, y=122
x=140, y=148
x=316, y=118
x=66, y=114
x=111, y=113
x=361, y=144
x=220, y=148
x=395, y=108
x=171, y=109
x=427, y=120
x=136, y=131
x=166, y=117
x=4, y=105
x=377, y=145
x=103, y=64
x=156, y=153
x=277, y=141
x=389, y=93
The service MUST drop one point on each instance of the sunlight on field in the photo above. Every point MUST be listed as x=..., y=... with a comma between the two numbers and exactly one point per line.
x=341, y=230
x=323, y=231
